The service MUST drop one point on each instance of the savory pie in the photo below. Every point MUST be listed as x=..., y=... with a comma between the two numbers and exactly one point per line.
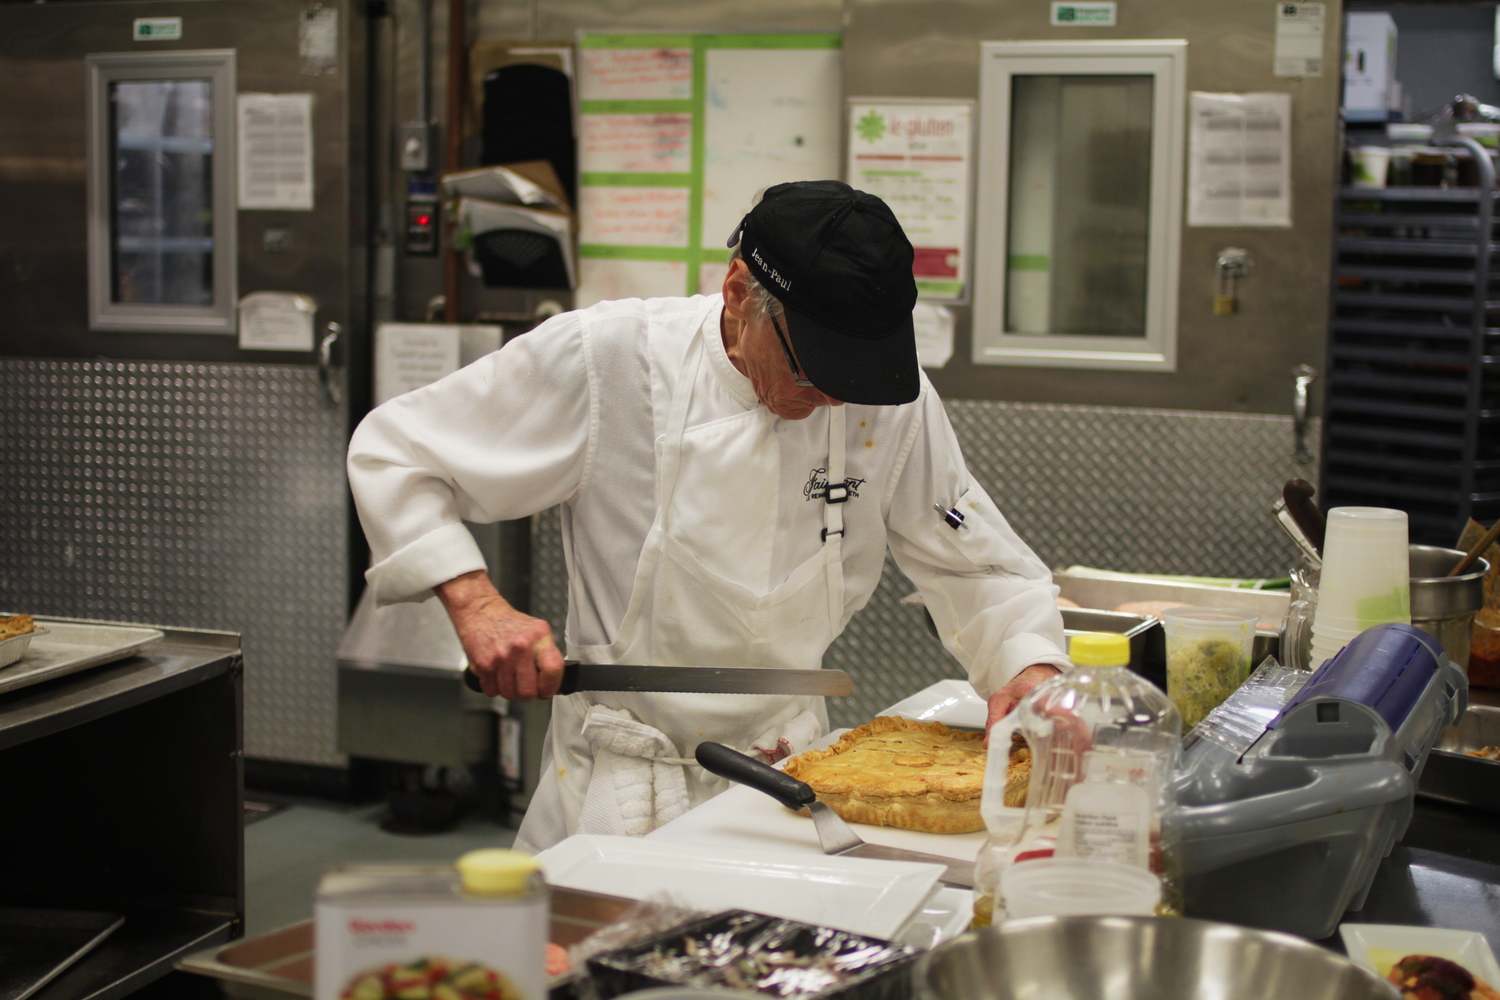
x=897, y=772
x=14, y=625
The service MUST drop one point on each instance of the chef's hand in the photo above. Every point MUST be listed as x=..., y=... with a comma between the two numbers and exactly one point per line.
x=1004, y=700
x=511, y=653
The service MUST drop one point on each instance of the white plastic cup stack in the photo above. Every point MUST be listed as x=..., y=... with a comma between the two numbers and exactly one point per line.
x=1366, y=577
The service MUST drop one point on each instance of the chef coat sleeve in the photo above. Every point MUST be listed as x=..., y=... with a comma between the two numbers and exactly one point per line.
x=501, y=438
x=991, y=597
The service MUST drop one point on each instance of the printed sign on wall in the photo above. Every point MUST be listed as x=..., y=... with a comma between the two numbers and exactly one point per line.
x=916, y=156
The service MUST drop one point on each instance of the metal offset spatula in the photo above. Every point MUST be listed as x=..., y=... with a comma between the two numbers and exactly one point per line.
x=833, y=833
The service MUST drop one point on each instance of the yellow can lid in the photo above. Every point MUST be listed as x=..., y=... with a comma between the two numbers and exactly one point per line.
x=495, y=871
x=1099, y=649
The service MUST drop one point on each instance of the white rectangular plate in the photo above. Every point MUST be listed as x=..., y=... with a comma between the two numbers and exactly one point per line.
x=1379, y=946
x=70, y=646
x=854, y=894
x=953, y=703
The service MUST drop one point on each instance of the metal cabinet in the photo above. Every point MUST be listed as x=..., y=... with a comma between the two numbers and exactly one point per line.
x=122, y=790
x=1412, y=406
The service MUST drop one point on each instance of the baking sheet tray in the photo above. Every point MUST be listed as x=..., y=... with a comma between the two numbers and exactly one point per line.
x=69, y=647
x=36, y=945
x=1452, y=775
x=283, y=960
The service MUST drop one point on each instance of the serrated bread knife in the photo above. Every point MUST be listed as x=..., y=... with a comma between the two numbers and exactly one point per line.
x=701, y=680
x=834, y=834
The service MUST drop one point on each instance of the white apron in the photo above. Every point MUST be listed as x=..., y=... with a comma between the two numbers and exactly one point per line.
x=683, y=613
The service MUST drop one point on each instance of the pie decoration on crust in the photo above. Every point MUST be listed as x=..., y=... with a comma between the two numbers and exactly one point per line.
x=897, y=772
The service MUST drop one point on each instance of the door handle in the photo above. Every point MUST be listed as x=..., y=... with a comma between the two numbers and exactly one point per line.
x=331, y=394
x=1304, y=375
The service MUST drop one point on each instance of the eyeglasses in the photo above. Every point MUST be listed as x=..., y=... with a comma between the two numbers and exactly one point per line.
x=797, y=377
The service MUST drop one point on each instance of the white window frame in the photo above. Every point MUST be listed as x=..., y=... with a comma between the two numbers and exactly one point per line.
x=218, y=66
x=1166, y=61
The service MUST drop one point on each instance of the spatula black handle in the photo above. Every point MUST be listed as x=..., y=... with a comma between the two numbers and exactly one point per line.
x=731, y=764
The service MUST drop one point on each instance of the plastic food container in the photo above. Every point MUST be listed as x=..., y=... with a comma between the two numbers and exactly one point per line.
x=1208, y=657
x=1078, y=887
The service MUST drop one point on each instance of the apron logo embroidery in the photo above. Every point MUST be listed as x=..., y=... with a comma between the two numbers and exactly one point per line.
x=817, y=485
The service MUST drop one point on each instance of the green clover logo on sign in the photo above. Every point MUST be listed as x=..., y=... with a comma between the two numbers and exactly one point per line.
x=871, y=127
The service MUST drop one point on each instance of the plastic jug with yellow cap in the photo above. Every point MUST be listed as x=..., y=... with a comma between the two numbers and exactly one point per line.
x=472, y=929
x=1102, y=743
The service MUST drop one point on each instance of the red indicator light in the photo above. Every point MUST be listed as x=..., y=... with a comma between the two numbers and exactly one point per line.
x=423, y=220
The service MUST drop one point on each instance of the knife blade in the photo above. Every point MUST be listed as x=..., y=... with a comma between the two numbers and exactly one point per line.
x=701, y=680
x=834, y=835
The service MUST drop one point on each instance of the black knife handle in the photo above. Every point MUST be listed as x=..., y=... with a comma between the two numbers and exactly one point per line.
x=1298, y=496
x=726, y=763
x=569, y=683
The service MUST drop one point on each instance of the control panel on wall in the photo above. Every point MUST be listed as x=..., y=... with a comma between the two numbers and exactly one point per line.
x=421, y=215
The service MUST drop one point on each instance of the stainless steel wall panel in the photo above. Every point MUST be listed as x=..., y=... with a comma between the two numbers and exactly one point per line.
x=1144, y=491
x=1136, y=490
x=1238, y=363
x=192, y=495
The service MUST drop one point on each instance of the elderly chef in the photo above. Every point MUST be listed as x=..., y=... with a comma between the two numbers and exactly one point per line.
x=731, y=470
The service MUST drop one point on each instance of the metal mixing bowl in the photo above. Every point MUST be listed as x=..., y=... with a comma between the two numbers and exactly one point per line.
x=1138, y=958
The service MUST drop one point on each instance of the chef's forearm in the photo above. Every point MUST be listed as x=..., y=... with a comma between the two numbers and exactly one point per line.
x=467, y=591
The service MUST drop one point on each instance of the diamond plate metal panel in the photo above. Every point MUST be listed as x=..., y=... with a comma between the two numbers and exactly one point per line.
x=207, y=496
x=1135, y=490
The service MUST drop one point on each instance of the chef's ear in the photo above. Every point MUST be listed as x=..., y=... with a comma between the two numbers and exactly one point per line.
x=737, y=289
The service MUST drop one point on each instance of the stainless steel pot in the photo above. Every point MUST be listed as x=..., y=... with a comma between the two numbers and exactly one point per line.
x=1138, y=958
x=1444, y=606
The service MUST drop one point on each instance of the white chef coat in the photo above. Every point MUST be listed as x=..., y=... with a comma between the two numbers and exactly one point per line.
x=578, y=412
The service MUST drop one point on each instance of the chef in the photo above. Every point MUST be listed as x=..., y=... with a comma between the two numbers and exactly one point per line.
x=731, y=470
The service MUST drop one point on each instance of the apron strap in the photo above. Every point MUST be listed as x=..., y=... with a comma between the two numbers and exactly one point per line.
x=834, y=499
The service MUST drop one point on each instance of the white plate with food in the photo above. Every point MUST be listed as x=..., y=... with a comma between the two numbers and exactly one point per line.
x=875, y=898
x=1378, y=947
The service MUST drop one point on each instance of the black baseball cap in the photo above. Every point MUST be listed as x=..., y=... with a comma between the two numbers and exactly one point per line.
x=838, y=262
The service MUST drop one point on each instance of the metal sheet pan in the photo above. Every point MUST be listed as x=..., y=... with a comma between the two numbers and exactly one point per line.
x=37, y=945
x=69, y=647
x=1454, y=776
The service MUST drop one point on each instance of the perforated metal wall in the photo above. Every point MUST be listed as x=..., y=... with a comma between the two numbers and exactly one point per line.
x=1143, y=491
x=207, y=496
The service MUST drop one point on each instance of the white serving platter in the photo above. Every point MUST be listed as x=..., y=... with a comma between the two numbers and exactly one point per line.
x=953, y=703
x=875, y=898
x=1379, y=946
x=68, y=647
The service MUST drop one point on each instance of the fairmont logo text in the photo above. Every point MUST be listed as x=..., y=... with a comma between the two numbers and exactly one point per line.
x=817, y=485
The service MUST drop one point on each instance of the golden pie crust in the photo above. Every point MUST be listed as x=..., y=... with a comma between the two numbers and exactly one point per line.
x=897, y=772
x=14, y=625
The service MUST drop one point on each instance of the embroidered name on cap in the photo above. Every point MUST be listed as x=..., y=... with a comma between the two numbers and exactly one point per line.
x=771, y=272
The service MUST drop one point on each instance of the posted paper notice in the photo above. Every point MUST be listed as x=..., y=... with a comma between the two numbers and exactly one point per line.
x=916, y=156
x=1299, y=40
x=275, y=151
x=1239, y=160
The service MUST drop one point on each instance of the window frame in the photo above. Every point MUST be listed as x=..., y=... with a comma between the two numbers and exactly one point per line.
x=104, y=69
x=1165, y=60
